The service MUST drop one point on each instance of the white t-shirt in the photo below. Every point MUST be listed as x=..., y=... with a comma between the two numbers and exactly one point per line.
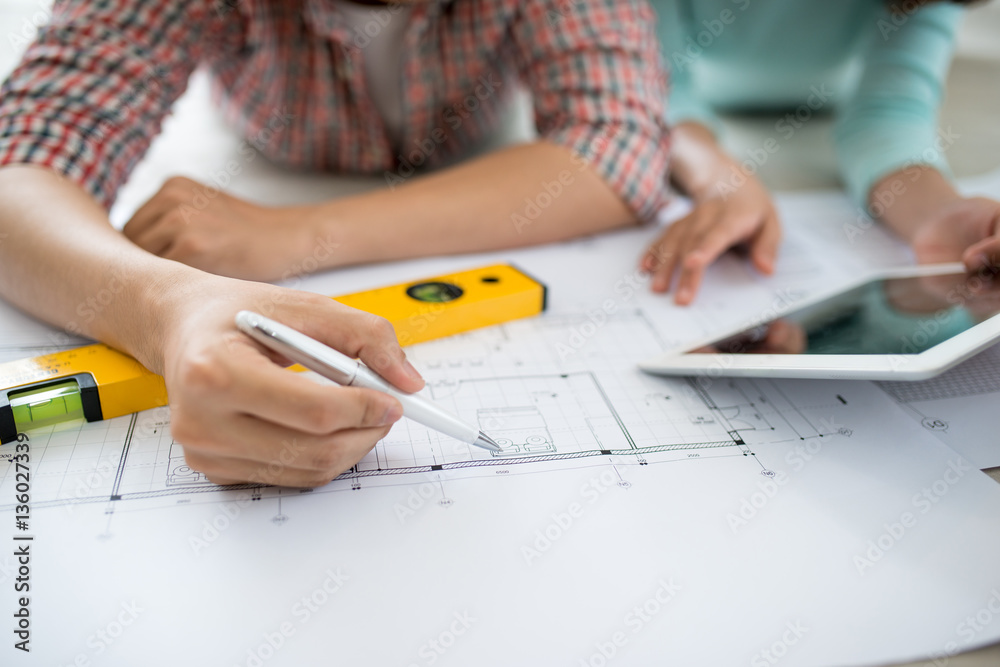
x=382, y=57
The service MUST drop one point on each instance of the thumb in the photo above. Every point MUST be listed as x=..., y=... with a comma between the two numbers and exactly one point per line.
x=982, y=255
x=368, y=337
x=764, y=245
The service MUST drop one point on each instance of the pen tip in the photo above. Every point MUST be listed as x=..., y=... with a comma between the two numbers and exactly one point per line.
x=487, y=442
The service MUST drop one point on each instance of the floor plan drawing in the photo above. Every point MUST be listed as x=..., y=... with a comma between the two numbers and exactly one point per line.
x=958, y=406
x=609, y=483
x=976, y=377
x=588, y=406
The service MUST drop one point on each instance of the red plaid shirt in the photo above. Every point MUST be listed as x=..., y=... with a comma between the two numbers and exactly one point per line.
x=93, y=88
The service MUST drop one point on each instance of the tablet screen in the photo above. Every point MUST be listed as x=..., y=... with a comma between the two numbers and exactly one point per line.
x=884, y=316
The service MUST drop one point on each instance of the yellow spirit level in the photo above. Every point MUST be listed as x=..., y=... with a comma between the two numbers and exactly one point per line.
x=447, y=305
x=93, y=382
x=96, y=382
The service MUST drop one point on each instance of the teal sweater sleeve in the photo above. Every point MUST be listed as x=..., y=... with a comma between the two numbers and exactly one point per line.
x=679, y=53
x=891, y=121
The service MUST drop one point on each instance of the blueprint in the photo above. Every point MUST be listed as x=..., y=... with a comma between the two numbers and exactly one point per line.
x=960, y=406
x=627, y=515
x=550, y=400
x=629, y=520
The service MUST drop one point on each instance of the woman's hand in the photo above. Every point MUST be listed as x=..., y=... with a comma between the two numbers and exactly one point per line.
x=966, y=230
x=717, y=223
x=242, y=417
x=924, y=208
x=203, y=227
x=730, y=209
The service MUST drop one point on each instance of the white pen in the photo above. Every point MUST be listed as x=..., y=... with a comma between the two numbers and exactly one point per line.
x=348, y=372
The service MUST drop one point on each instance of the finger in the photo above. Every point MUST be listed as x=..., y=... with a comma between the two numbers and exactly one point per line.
x=699, y=249
x=148, y=214
x=666, y=252
x=146, y=217
x=174, y=193
x=651, y=259
x=689, y=280
x=219, y=480
x=783, y=337
x=249, y=439
x=368, y=337
x=312, y=467
x=982, y=255
x=764, y=245
x=648, y=261
x=157, y=239
x=261, y=388
x=705, y=250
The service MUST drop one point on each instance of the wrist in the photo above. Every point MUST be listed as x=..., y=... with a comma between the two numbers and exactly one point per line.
x=163, y=299
x=908, y=199
x=299, y=242
x=342, y=233
x=699, y=163
x=723, y=177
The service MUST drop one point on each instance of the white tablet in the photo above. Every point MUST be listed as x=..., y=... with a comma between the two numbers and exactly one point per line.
x=903, y=324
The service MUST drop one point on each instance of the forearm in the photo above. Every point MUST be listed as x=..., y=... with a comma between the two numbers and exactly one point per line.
x=905, y=199
x=519, y=196
x=233, y=410
x=697, y=163
x=63, y=262
x=891, y=118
